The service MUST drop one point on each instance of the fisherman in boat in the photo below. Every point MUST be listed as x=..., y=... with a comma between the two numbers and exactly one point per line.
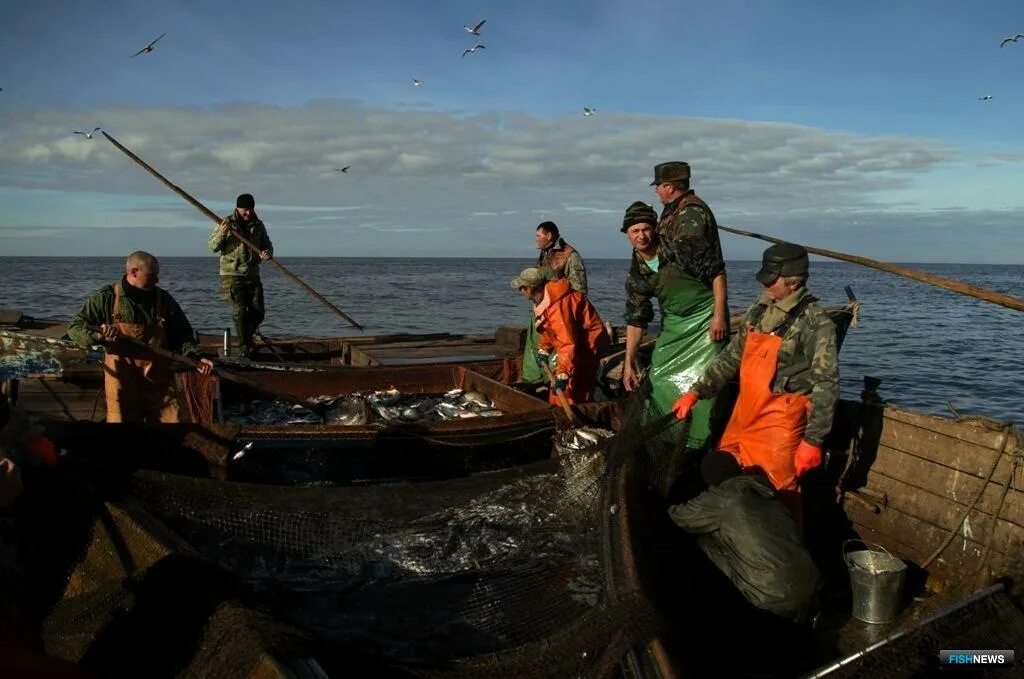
x=677, y=258
x=570, y=333
x=786, y=357
x=139, y=386
x=240, y=283
x=752, y=538
x=558, y=260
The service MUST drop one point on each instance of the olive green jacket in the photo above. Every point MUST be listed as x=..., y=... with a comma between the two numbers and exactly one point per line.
x=99, y=309
x=808, y=358
x=236, y=258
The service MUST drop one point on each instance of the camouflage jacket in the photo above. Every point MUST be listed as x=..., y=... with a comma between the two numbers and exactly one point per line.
x=135, y=308
x=808, y=358
x=236, y=259
x=562, y=260
x=639, y=292
x=688, y=238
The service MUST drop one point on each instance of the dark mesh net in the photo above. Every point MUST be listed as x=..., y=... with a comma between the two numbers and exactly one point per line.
x=526, y=569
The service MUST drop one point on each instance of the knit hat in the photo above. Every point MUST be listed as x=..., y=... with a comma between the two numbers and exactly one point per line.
x=246, y=200
x=639, y=212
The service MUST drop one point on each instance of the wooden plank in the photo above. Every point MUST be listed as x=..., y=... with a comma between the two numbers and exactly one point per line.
x=946, y=514
x=958, y=487
x=915, y=540
x=10, y=317
x=942, y=427
x=504, y=398
x=966, y=456
x=927, y=537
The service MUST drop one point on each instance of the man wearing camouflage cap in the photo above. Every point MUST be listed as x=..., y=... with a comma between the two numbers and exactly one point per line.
x=571, y=335
x=786, y=356
x=688, y=235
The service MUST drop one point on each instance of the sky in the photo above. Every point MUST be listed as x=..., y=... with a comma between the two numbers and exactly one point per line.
x=854, y=127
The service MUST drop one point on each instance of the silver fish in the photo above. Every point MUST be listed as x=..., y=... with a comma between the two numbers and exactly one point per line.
x=245, y=449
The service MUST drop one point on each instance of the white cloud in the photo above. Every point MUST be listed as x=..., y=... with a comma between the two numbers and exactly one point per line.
x=439, y=174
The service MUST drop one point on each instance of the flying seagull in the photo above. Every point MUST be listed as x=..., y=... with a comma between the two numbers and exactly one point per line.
x=473, y=49
x=589, y=111
x=985, y=98
x=476, y=29
x=342, y=169
x=149, y=47
x=89, y=134
x=1012, y=38
x=416, y=83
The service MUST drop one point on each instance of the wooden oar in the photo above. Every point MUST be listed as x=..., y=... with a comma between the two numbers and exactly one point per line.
x=984, y=294
x=317, y=408
x=206, y=211
x=561, y=396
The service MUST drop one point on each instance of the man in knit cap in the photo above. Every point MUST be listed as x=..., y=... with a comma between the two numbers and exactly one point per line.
x=685, y=345
x=240, y=267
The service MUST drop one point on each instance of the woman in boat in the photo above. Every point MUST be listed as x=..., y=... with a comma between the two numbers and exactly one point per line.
x=678, y=260
x=786, y=356
x=570, y=333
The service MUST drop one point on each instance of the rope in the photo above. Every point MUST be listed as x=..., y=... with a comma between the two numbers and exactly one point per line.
x=1018, y=456
x=1007, y=428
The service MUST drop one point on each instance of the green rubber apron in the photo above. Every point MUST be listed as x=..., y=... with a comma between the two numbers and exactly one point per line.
x=531, y=372
x=683, y=348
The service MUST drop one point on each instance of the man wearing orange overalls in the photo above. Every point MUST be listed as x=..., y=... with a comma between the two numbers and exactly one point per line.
x=786, y=356
x=571, y=335
x=139, y=386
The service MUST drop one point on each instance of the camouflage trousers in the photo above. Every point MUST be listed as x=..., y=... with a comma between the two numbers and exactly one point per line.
x=245, y=295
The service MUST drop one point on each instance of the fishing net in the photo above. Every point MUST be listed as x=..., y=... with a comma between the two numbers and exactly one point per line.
x=526, y=569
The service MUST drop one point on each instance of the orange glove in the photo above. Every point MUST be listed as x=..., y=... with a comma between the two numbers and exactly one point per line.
x=42, y=449
x=807, y=457
x=684, y=404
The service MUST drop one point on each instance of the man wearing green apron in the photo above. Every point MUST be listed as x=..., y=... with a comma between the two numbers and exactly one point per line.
x=677, y=259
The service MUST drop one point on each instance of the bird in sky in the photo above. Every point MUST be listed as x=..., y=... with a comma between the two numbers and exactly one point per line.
x=589, y=111
x=985, y=98
x=342, y=169
x=149, y=47
x=416, y=83
x=1012, y=38
x=87, y=135
x=473, y=49
x=475, y=30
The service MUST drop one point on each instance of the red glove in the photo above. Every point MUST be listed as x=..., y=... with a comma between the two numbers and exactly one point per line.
x=42, y=449
x=684, y=404
x=807, y=457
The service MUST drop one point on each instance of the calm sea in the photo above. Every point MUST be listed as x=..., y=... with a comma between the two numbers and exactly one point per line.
x=930, y=347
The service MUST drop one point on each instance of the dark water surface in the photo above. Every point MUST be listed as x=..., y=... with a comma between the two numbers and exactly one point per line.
x=929, y=346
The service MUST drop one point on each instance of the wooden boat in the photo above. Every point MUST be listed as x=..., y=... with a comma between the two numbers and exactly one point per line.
x=54, y=379
x=912, y=484
x=333, y=452
x=945, y=496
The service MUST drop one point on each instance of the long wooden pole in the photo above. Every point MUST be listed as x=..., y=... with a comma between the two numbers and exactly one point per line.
x=214, y=217
x=228, y=375
x=984, y=294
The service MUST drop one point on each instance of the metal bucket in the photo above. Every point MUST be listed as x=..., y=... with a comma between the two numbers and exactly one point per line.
x=876, y=578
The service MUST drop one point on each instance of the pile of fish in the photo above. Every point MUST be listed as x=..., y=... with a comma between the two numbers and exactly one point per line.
x=386, y=407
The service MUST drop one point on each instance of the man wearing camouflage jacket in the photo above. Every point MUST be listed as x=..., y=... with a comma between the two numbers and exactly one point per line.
x=786, y=356
x=240, y=267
